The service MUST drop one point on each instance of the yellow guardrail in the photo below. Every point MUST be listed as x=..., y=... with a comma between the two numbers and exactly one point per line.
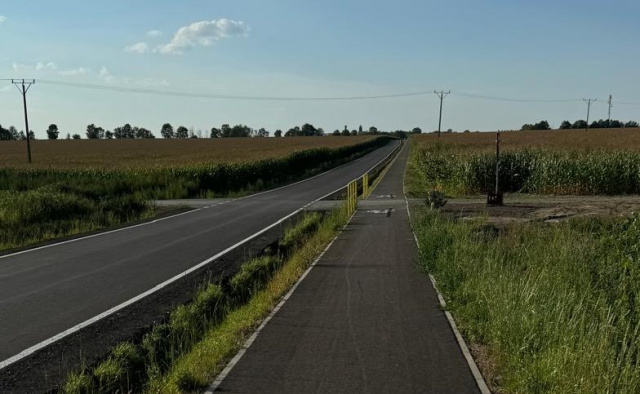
x=352, y=192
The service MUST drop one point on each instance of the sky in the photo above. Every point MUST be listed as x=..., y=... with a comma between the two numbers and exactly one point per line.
x=515, y=49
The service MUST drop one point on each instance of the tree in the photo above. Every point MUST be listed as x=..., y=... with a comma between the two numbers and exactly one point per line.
x=579, y=124
x=336, y=133
x=225, y=129
x=76, y=136
x=94, y=133
x=565, y=125
x=142, y=133
x=215, y=133
x=293, y=132
x=14, y=133
x=182, y=132
x=262, y=132
x=167, y=131
x=542, y=125
x=23, y=137
x=616, y=124
x=308, y=130
x=360, y=129
x=124, y=132
x=108, y=135
x=373, y=130
x=416, y=130
x=354, y=132
x=631, y=123
x=52, y=132
x=278, y=133
x=5, y=134
x=345, y=132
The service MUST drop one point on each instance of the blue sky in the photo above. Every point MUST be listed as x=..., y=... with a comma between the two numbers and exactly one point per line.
x=515, y=49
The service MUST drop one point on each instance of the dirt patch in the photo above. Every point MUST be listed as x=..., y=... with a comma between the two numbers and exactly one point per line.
x=524, y=208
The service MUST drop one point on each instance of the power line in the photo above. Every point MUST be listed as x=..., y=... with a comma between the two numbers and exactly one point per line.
x=479, y=96
x=223, y=96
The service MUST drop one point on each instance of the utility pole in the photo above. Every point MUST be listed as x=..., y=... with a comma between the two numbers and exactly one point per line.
x=25, y=84
x=610, y=105
x=589, y=102
x=441, y=94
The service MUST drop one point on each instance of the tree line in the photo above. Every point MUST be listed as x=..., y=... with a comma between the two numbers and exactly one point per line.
x=167, y=131
x=582, y=124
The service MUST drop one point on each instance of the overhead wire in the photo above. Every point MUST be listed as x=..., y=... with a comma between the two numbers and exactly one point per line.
x=159, y=92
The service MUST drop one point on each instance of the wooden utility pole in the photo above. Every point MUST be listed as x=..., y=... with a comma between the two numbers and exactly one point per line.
x=589, y=102
x=441, y=94
x=23, y=87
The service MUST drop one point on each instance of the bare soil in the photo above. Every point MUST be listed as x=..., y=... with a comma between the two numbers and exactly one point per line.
x=524, y=208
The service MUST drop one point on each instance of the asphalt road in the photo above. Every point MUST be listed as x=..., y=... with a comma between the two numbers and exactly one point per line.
x=365, y=319
x=44, y=292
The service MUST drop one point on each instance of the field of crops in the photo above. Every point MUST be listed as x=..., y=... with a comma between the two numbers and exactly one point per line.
x=145, y=153
x=45, y=202
x=602, y=161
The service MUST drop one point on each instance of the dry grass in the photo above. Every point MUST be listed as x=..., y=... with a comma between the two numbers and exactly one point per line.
x=609, y=139
x=110, y=154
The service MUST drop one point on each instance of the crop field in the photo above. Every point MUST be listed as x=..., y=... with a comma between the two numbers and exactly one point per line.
x=112, y=182
x=146, y=153
x=574, y=162
x=547, y=301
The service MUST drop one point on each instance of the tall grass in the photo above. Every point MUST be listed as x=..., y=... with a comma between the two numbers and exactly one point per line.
x=541, y=171
x=557, y=306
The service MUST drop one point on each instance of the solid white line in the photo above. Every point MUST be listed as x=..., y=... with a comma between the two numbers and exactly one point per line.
x=482, y=385
x=225, y=372
x=123, y=305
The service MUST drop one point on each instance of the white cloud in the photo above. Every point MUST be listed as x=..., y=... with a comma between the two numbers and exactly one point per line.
x=154, y=33
x=105, y=75
x=141, y=47
x=74, y=72
x=18, y=66
x=203, y=33
x=2, y=18
x=48, y=65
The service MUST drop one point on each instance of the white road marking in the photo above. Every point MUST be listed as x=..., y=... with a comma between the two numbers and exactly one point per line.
x=78, y=327
x=482, y=385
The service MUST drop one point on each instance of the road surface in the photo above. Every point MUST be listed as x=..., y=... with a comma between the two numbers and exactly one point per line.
x=46, y=291
x=365, y=319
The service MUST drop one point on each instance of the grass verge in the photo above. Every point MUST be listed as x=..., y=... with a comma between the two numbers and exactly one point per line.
x=551, y=308
x=188, y=351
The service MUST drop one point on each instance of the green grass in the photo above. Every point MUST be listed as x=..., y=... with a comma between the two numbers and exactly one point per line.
x=458, y=171
x=177, y=355
x=556, y=305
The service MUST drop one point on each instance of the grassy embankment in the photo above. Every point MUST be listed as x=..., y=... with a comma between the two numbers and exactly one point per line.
x=553, y=308
x=546, y=307
x=188, y=351
x=41, y=203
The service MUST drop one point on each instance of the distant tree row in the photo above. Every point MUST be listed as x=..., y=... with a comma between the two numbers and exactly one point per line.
x=581, y=124
x=225, y=131
x=13, y=134
x=598, y=124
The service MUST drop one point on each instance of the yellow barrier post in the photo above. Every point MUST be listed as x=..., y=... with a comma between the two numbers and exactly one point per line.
x=365, y=185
